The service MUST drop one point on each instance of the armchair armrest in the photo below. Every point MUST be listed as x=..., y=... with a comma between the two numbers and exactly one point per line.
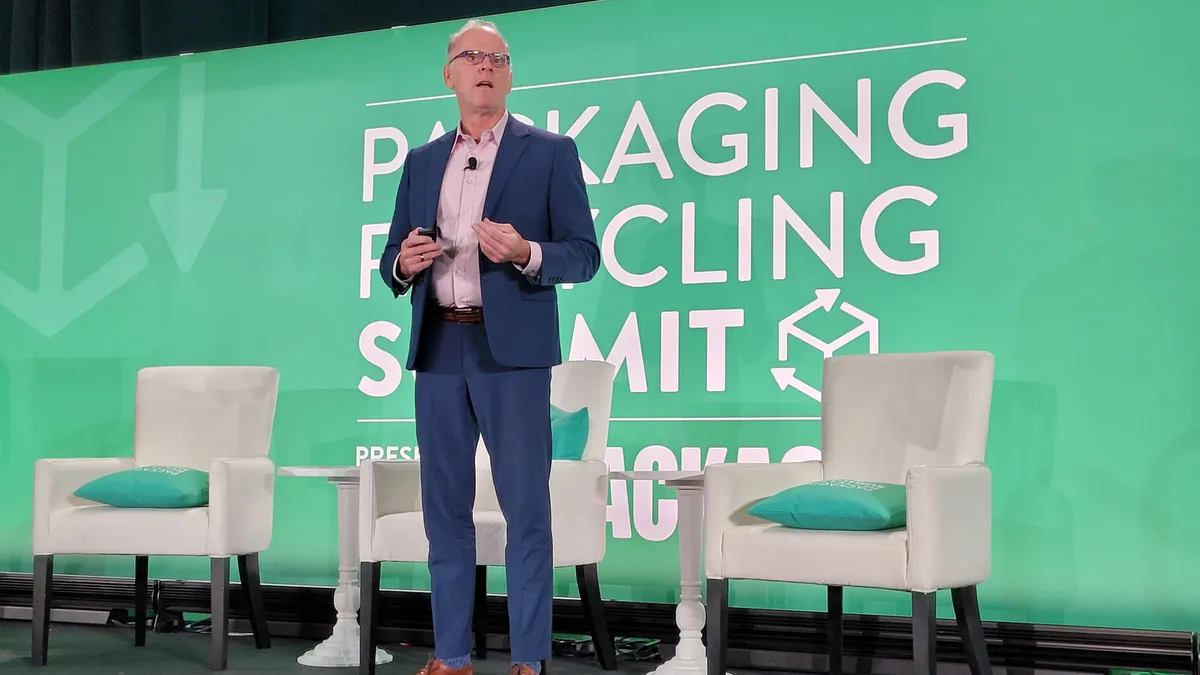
x=731, y=489
x=949, y=526
x=241, y=505
x=55, y=482
x=385, y=487
x=579, y=511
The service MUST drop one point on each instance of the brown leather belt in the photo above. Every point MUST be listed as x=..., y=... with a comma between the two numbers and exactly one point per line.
x=461, y=314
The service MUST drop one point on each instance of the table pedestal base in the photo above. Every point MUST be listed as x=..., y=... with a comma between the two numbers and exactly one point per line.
x=690, y=656
x=330, y=654
x=678, y=666
x=340, y=650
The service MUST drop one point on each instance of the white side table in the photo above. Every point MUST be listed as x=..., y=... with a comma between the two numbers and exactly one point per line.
x=690, y=656
x=340, y=650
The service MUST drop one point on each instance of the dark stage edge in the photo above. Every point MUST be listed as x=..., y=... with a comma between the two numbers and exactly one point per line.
x=758, y=639
x=109, y=650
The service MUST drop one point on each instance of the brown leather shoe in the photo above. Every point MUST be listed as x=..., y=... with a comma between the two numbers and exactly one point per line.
x=519, y=669
x=436, y=667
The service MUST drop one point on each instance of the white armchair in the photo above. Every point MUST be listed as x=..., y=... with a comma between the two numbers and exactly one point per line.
x=392, y=527
x=215, y=419
x=920, y=420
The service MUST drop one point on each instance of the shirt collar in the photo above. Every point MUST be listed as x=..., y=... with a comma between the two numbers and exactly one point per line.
x=496, y=132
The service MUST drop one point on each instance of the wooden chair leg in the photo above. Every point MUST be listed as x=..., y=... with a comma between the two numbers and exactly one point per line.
x=368, y=616
x=834, y=607
x=219, y=573
x=479, y=614
x=141, y=580
x=588, y=579
x=718, y=625
x=970, y=624
x=248, y=572
x=924, y=628
x=43, y=597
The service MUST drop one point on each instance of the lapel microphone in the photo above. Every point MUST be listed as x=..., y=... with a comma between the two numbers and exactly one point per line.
x=472, y=163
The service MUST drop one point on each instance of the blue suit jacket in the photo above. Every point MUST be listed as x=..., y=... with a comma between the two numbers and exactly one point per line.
x=537, y=186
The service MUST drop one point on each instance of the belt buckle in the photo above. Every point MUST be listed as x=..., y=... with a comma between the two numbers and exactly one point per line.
x=462, y=314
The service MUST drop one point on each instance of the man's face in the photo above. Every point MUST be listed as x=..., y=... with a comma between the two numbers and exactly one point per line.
x=482, y=85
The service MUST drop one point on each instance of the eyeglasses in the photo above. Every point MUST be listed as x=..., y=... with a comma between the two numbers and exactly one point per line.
x=476, y=57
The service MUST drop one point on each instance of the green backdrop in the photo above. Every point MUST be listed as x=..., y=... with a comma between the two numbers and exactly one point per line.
x=773, y=181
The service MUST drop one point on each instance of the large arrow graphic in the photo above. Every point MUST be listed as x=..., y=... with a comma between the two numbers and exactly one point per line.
x=51, y=307
x=186, y=214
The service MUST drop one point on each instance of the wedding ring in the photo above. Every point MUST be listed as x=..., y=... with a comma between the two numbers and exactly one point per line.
x=422, y=257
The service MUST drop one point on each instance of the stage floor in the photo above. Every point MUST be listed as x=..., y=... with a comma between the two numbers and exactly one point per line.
x=105, y=650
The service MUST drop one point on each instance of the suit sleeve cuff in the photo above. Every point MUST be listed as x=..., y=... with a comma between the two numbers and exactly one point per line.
x=404, y=283
x=534, y=267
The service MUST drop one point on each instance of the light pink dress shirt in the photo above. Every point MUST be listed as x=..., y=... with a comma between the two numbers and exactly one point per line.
x=455, y=273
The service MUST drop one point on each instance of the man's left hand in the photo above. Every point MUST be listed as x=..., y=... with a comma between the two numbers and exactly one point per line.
x=500, y=242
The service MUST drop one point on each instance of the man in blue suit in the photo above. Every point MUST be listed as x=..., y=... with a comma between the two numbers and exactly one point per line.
x=488, y=219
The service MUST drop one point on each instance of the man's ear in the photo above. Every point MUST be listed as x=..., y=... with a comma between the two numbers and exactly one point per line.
x=446, y=77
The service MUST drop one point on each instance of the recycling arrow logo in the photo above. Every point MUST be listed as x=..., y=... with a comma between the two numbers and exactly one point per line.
x=826, y=299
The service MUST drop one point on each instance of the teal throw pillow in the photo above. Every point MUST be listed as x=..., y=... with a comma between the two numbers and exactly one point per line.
x=154, y=487
x=836, y=505
x=569, y=431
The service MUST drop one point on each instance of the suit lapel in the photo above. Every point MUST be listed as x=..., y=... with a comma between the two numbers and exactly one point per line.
x=512, y=146
x=438, y=158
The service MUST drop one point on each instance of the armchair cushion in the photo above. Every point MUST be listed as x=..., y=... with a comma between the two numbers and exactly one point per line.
x=770, y=552
x=161, y=487
x=836, y=505
x=946, y=542
x=97, y=529
x=569, y=431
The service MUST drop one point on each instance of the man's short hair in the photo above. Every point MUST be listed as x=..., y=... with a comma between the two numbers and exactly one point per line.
x=471, y=25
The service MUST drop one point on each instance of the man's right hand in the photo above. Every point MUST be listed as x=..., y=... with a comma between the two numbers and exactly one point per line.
x=417, y=252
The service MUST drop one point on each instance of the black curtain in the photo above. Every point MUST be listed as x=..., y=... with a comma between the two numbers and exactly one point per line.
x=45, y=34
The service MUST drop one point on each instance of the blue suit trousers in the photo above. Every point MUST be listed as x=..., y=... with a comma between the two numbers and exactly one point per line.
x=461, y=392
